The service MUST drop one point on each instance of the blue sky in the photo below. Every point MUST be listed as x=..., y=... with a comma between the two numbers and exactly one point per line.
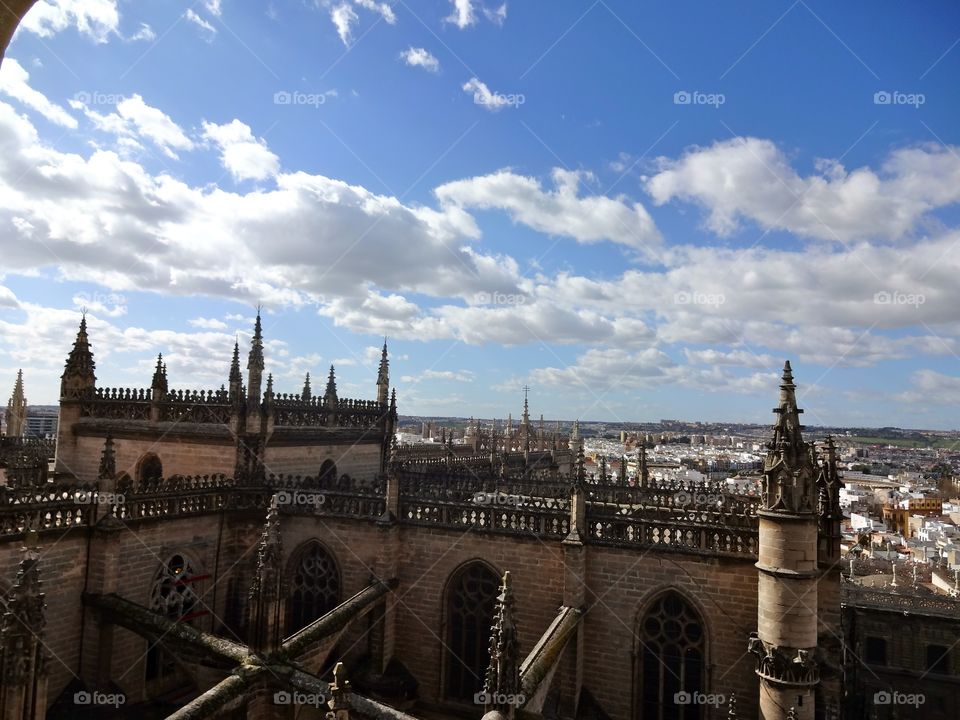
x=638, y=209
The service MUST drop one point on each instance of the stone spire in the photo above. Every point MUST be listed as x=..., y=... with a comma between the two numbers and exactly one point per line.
x=158, y=385
x=307, y=393
x=255, y=365
x=79, y=377
x=502, y=683
x=603, y=469
x=383, y=376
x=266, y=591
x=330, y=397
x=623, y=471
x=16, y=416
x=236, y=379
x=108, y=460
x=785, y=644
x=829, y=514
x=268, y=393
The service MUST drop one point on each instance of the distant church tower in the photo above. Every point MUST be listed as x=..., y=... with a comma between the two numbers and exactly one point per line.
x=786, y=641
x=16, y=416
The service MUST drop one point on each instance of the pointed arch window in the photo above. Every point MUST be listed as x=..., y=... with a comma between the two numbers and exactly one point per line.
x=315, y=587
x=470, y=604
x=173, y=595
x=328, y=474
x=672, y=655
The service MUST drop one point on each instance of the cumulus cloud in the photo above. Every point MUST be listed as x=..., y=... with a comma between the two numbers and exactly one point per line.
x=14, y=82
x=931, y=387
x=145, y=33
x=245, y=156
x=134, y=120
x=463, y=14
x=487, y=98
x=97, y=19
x=381, y=8
x=752, y=178
x=560, y=211
x=419, y=57
x=208, y=323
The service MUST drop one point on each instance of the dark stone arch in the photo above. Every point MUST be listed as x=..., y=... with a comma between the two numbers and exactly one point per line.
x=671, y=640
x=313, y=579
x=469, y=600
x=149, y=469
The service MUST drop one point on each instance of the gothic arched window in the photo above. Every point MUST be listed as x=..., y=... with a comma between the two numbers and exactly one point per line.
x=314, y=587
x=470, y=604
x=150, y=468
x=174, y=596
x=672, y=660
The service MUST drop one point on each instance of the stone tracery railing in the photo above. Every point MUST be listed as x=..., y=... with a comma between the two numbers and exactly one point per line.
x=702, y=518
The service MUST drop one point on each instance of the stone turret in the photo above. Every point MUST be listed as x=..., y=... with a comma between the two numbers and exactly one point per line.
x=77, y=384
x=79, y=379
x=255, y=366
x=16, y=417
x=575, y=441
x=785, y=643
x=383, y=376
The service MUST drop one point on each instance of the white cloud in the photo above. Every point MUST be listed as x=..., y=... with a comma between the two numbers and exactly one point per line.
x=420, y=57
x=752, y=178
x=145, y=33
x=8, y=298
x=213, y=7
x=931, y=387
x=462, y=376
x=589, y=219
x=135, y=119
x=485, y=97
x=97, y=19
x=463, y=15
x=208, y=323
x=497, y=16
x=193, y=17
x=245, y=156
x=343, y=18
x=381, y=8
x=14, y=81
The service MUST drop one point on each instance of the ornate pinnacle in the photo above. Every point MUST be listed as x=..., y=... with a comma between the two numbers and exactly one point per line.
x=108, y=461
x=23, y=618
x=255, y=359
x=331, y=384
x=603, y=469
x=307, y=394
x=581, y=472
x=502, y=683
x=235, y=376
x=159, y=382
x=268, y=393
x=623, y=470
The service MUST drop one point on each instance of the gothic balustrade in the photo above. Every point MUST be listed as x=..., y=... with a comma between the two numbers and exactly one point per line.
x=46, y=507
x=901, y=599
